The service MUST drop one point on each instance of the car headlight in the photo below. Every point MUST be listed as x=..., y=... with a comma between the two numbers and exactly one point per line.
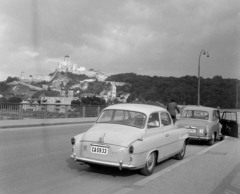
x=201, y=130
x=73, y=140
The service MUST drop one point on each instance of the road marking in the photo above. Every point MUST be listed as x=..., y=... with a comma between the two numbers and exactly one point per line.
x=236, y=181
x=154, y=176
x=229, y=192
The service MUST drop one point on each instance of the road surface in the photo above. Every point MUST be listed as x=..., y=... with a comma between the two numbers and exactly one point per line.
x=37, y=160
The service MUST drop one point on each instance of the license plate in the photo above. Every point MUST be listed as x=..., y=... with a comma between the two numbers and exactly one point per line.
x=99, y=150
x=192, y=130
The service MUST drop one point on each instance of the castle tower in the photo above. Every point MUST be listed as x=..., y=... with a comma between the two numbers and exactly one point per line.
x=22, y=75
x=66, y=60
x=74, y=68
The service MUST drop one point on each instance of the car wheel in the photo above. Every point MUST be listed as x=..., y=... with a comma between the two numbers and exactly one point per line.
x=181, y=154
x=211, y=142
x=149, y=165
x=222, y=137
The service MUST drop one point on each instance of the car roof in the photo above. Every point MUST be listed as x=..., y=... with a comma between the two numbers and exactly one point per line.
x=230, y=110
x=144, y=108
x=204, y=108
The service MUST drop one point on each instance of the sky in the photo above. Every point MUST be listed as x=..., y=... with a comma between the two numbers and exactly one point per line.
x=147, y=37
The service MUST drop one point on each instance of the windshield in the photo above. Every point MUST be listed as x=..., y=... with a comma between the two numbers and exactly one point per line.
x=195, y=114
x=123, y=117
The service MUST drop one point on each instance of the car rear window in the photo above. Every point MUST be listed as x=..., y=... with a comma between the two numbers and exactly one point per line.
x=123, y=117
x=196, y=114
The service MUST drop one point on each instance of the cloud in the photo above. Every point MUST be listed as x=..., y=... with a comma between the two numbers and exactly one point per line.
x=31, y=54
x=155, y=37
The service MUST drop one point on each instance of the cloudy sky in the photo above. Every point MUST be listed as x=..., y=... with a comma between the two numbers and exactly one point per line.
x=146, y=37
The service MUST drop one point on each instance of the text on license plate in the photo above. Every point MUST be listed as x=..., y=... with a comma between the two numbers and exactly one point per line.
x=99, y=150
x=192, y=130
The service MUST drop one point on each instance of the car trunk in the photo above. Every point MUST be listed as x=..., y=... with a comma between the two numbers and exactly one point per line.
x=193, y=126
x=112, y=134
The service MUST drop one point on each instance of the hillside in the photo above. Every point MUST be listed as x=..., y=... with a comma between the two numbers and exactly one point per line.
x=214, y=92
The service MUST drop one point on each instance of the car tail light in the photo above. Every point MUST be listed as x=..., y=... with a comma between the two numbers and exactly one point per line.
x=73, y=140
x=131, y=149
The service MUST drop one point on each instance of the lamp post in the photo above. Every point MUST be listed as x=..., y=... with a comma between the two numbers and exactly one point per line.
x=203, y=52
x=237, y=94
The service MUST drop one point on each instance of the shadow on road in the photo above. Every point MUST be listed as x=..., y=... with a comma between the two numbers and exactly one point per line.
x=98, y=169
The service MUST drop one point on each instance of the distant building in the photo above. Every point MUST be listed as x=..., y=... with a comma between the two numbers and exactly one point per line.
x=109, y=94
x=45, y=87
x=35, y=78
x=84, y=95
x=57, y=104
x=27, y=106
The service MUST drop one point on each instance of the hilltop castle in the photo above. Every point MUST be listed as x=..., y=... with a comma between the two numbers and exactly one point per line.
x=65, y=66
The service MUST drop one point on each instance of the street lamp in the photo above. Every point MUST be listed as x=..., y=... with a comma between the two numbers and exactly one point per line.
x=203, y=52
x=237, y=94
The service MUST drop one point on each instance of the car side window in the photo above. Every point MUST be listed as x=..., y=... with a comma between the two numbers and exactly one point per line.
x=165, y=119
x=230, y=116
x=215, y=116
x=153, y=120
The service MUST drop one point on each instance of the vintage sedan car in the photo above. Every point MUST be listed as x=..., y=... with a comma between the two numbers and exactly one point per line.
x=130, y=136
x=203, y=123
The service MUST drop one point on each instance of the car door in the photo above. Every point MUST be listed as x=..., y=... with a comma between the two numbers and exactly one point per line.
x=216, y=126
x=171, y=134
x=230, y=124
x=154, y=136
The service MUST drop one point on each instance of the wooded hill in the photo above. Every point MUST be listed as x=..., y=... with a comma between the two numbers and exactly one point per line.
x=214, y=92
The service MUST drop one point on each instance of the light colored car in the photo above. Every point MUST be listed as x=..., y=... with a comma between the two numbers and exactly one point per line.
x=203, y=123
x=130, y=136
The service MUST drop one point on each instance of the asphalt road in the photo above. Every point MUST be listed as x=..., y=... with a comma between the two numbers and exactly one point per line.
x=37, y=160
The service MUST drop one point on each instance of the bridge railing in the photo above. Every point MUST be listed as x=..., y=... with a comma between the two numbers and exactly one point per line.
x=47, y=111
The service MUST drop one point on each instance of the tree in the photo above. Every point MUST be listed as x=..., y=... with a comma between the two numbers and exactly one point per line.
x=15, y=99
x=76, y=102
x=11, y=79
x=93, y=101
x=2, y=99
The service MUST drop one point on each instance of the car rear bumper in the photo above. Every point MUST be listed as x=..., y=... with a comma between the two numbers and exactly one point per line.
x=200, y=138
x=119, y=165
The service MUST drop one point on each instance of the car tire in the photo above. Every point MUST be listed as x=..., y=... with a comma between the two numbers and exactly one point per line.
x=181, y=154
x=222, y=137
x=149, y=165
x=211, y=142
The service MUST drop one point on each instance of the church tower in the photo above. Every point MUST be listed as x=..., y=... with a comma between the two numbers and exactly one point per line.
x=70, y=93
x=62, y=92
x=114, y=91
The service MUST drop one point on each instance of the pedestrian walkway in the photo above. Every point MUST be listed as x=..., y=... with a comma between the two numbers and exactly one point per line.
x=215, y=170
x=44, y=122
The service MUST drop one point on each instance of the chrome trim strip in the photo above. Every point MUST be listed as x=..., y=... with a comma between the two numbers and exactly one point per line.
x=200, y=138
x=103, y=163
x=100, y=145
